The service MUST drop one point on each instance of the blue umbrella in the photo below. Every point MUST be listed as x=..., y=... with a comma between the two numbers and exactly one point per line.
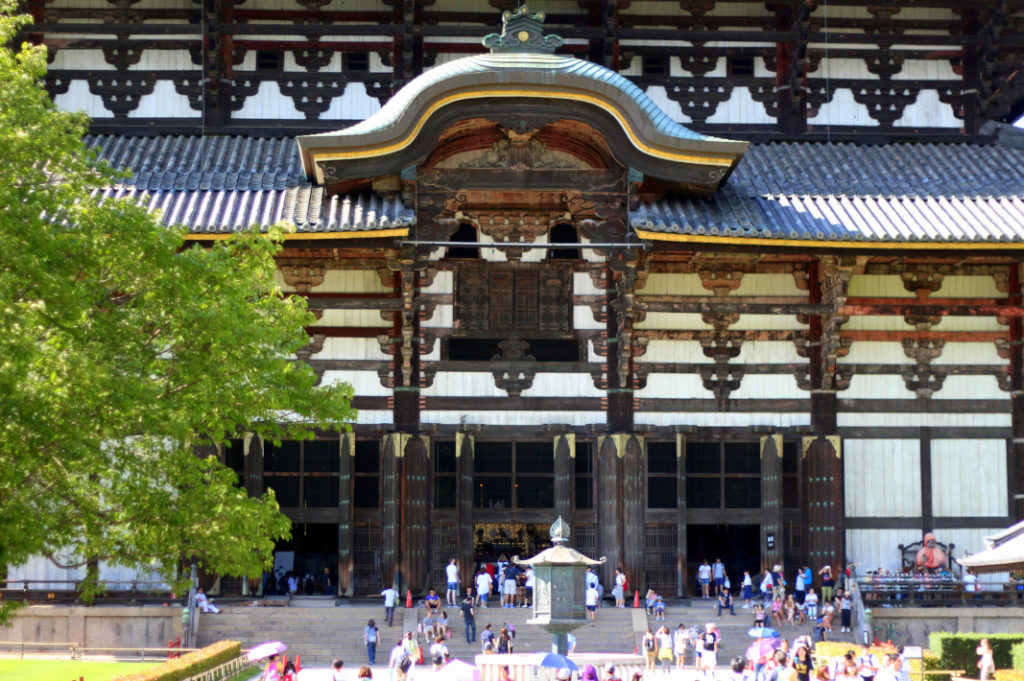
x=762, y=632
x=553, y=660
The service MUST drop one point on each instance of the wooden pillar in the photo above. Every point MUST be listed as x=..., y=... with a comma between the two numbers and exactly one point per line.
x=392, y=448
x=634, y=509
x=346, y=564
x=415, y=514
x=682, y=569
x=609, y=505
x=1015, y=385
x=771, y=500
x=464, y=451
x=823, y=468
x=253, y=450
x=565, y=473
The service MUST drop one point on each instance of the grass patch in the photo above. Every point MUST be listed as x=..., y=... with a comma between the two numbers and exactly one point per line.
x=66, y=670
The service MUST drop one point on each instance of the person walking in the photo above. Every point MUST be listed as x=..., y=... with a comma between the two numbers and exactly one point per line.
x=986, y=661
x=483, y=586
x=679, y=639
x=390, y=596
x=649, y=644
x=591, y=599
x=371, y=637
x=718, y=573
x=709, y=650
x=748, y=589
x=438, y=653
x=619, y=591
x=399, y=662
x=469, y=618
x=704, y=575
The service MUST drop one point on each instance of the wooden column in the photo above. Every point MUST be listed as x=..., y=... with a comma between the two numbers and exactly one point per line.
x=464, y=451
x=634, y=509
x=415, y=514
x=771, y=499
x=565, y=473
x=1015, y=386
x=346, y=565
x=823, y=468
x=392, y=449
x=609, y=505
x=682, y=569
x=253, y=449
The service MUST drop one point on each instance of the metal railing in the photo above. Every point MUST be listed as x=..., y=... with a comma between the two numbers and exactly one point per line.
x=76, y=650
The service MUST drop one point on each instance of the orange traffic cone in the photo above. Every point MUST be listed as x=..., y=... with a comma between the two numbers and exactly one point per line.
x=298, y=663
x=408, y=598
x=636, y=598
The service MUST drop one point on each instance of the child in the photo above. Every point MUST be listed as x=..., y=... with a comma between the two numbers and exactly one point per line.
x=748, y=588
x=659, y=609
x=758, y=615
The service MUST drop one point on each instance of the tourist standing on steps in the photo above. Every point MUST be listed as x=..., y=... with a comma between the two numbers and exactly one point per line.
x=709, y=650
x=469, y=618
x=452, y=574
x=679, y=639
x=827, y=582
x=483, y=586
x=704, y=575
x=487, y=639
x=390, y=596
x=371, y=637
x=748, y=589
x=619, y=592
x=649, y=644
x=718, y=573
x=846, y=611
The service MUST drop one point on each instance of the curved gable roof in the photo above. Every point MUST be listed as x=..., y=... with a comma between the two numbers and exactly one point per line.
x=652, y=142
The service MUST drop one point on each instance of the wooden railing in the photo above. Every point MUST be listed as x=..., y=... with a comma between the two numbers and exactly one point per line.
x=77, y=651
x=932, y=591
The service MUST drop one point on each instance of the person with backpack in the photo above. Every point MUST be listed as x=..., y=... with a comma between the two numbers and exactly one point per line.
x=371, y=637
x=399, y=662
x=649, y=644
x=487, y=639
x=438, y=653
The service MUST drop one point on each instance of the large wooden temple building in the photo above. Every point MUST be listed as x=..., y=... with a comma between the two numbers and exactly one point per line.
x=737, y=279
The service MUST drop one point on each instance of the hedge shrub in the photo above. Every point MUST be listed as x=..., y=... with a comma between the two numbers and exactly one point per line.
x=189, y=664
x=1017, y=656
x=956, y=651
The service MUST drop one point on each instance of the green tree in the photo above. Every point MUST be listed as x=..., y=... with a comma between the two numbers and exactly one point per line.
x=123, y=349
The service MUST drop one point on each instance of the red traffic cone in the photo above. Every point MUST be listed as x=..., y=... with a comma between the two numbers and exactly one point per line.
x=421, y=654
x=636, y=598
x=408, y=598
x=298, y=663
x=636, y=650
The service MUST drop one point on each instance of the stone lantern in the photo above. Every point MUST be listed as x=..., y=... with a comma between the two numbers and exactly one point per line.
x=559, y=585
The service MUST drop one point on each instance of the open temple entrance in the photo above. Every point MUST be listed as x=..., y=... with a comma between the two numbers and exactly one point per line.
x=312, y=549
x=739, y=547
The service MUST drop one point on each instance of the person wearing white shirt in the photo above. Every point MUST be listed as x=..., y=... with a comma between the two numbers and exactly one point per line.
x=591, y=601
x=205, y=604
x=390, y=596
x=529, y=586
x=451, y=572
x=483, y=587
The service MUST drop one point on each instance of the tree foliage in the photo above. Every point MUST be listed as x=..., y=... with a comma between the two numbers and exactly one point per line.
x=122, y=349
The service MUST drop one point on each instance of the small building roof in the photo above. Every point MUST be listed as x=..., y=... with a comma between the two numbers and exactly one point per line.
x=1004, y=552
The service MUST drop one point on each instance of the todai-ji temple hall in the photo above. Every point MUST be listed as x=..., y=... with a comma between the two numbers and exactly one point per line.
x=706, y=279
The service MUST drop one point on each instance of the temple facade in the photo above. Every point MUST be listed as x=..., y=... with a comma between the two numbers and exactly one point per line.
x=705, y=279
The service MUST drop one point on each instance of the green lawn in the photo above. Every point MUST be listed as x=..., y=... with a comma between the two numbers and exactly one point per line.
x=66, y=670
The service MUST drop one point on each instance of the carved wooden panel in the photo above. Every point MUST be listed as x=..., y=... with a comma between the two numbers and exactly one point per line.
x=518, y=298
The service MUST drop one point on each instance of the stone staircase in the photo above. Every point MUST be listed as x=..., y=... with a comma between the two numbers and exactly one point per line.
x=319, y=632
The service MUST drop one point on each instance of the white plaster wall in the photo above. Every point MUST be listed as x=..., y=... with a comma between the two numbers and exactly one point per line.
x=365, y=383
x=375, y=416
x=768, y=387
x=665, y=284
x=351, y=348
x=444, y=282
x=973, y=387
x=969, y=353
x=768, y=285
x=583, y=285
x=693, y=321
x=164, y=102
x=726, y=419
x=741, y=108
x=268, y=102
x=875, y=549
x=928, y=111
x=969, y=478
x=463, y=384
x=563, y=385
x=350, y=281
x=895, y=420
x=583, y=318
x=78, y=98
x=843, y=109
x=659, y=96
x=443, y=318
x=683, y=352
x=39, y=568
x=872, y=352
x=674, y=386
x=882, y=478
x=354, y=104
x=511, y=418
x=768, y=352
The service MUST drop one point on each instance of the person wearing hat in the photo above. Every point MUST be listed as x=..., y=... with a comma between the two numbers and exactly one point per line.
x=609, y=673
x=563, y=674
